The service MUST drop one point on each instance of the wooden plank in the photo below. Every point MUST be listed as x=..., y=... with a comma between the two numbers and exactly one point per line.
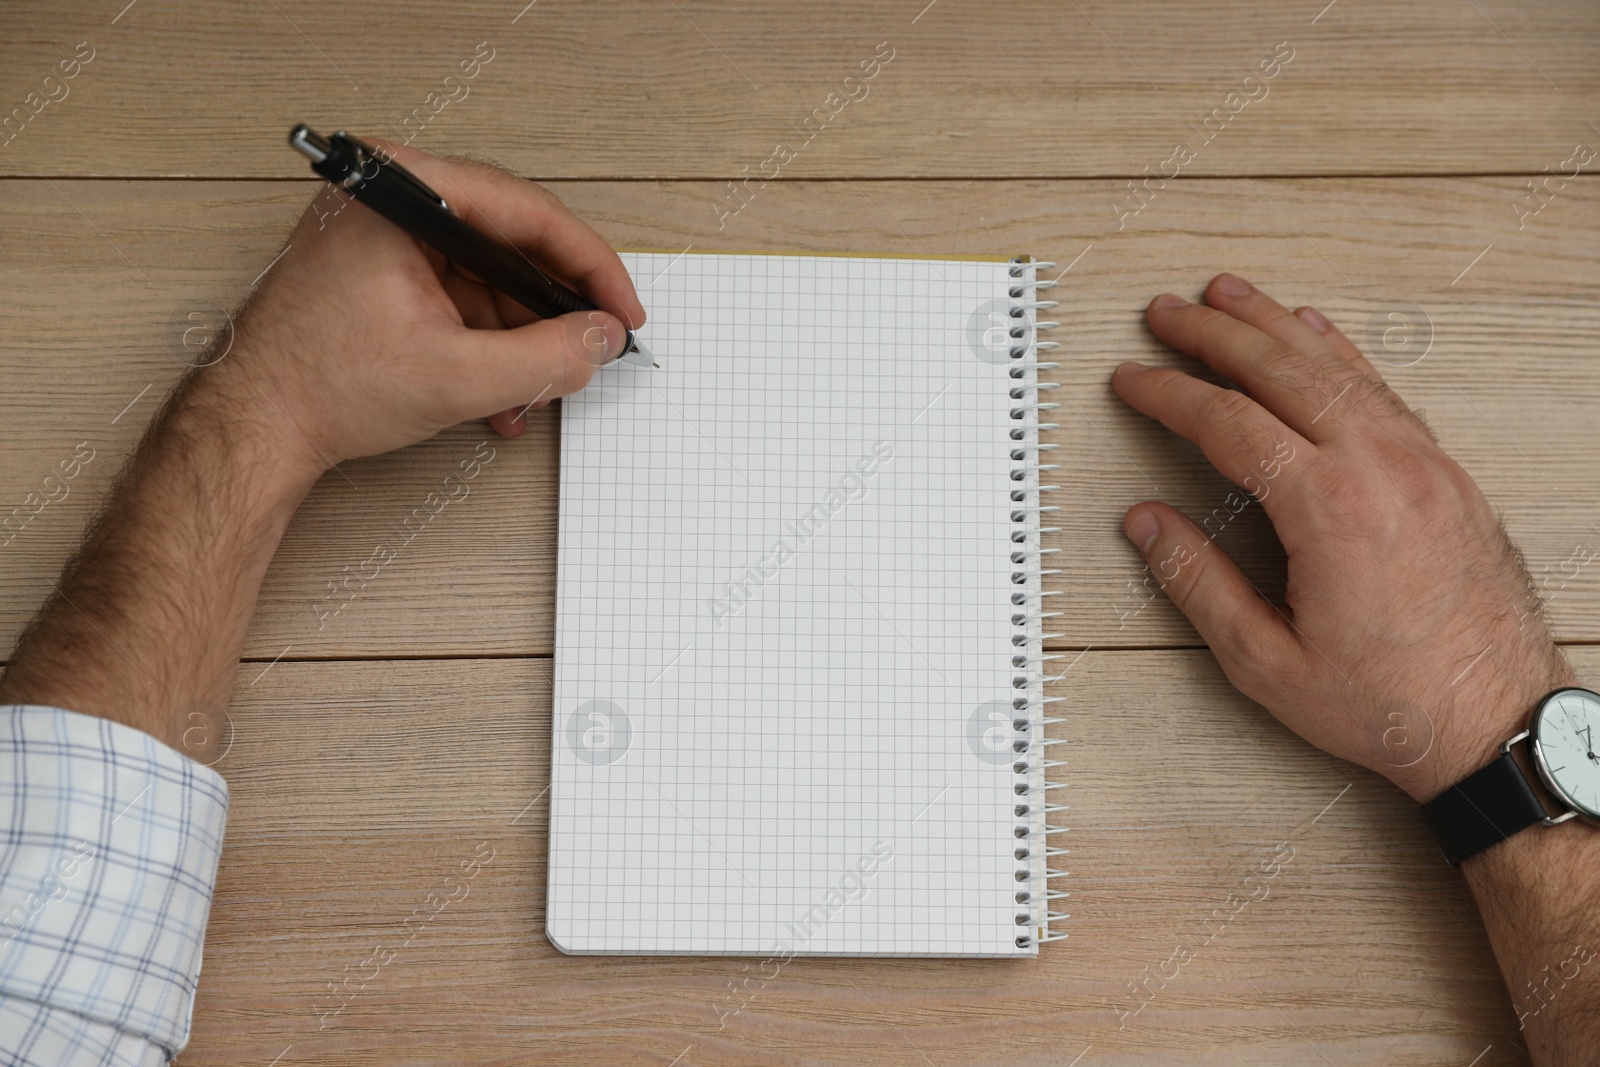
x=358, y=787
x=105, y=277
x=708, y=88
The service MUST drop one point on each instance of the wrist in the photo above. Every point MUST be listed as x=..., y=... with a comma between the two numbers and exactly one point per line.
x=224, y=409
x=169, y=570
x=1468, y=727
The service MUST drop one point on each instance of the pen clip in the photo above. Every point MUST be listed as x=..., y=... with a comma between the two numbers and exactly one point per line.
x=364, y=159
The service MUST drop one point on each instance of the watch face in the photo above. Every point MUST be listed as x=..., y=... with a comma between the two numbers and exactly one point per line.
x=1566, y=734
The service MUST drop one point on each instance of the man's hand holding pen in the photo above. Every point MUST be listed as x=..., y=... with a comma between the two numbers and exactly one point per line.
x=406, y=342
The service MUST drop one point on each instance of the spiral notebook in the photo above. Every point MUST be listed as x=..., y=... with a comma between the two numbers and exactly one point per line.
x=799, y=696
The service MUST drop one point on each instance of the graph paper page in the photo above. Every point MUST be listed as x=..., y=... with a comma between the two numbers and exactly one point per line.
x=784, y=618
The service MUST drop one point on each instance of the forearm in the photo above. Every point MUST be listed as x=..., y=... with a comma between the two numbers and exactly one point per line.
x=146, y=622
x=1540, y=900
x=1539, y=893
x=1539, y=890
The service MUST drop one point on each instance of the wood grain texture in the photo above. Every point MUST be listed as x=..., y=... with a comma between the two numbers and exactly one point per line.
x=106, y=277
x=358, y=787
x=707, y=88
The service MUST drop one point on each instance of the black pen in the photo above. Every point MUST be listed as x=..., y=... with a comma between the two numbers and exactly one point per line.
x=405, y=200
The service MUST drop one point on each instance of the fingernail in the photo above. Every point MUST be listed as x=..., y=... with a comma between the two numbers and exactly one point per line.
x=1143, y=529
x=603, y=339
x=1169, y=300
x=616, y=338
x=1232, y=285
x=1312, y=318
x=1133, y=366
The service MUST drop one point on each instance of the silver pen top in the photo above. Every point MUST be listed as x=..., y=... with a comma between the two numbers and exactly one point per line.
x=309, y=144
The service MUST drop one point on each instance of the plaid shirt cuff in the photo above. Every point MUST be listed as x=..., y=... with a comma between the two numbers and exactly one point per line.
x=107, y=863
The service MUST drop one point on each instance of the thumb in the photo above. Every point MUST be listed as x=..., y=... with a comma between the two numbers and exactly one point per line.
x=493, y=370
x=1249, y=636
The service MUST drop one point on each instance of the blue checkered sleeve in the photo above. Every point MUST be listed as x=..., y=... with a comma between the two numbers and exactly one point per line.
x=107, y=862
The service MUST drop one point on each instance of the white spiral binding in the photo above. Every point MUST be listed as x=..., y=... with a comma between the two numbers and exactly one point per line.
x=1037, y=839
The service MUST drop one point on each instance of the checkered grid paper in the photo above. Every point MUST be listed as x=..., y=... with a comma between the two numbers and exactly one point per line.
x=784, y=591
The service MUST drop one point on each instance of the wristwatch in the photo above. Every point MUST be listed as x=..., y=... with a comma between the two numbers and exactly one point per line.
x=1492, y=804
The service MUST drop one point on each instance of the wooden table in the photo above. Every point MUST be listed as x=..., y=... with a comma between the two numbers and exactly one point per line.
x=1381, y=175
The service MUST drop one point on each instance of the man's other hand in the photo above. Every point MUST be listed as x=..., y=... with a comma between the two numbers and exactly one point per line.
x=1410, y=639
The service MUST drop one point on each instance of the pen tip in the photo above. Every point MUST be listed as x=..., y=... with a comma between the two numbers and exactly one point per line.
x=639, y=355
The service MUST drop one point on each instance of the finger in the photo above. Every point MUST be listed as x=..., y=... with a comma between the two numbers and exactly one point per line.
x=491, y=371
x=512, y=422
x=1301, y=389
x=474, y=300
x=1250, y=638
x=1341, y=344
x=514, y=313
x=1231, y=293
x=527, y=217
x=1243, y=440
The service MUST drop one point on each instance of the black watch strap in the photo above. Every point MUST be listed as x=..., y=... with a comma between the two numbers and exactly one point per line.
x=1482, y=809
